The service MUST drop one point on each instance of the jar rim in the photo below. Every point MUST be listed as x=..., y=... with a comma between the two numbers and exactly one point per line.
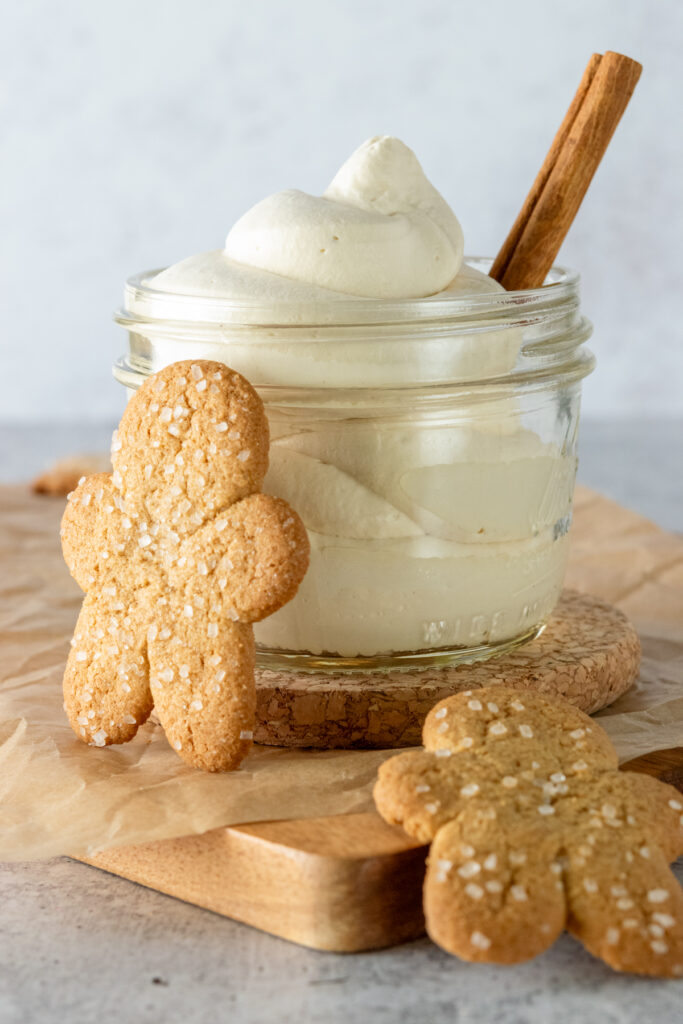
x=429, y=346
x=145, y=304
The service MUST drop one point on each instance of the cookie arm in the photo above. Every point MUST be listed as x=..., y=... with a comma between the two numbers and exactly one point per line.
x=83, y=528
x=256, y=552
x=661, y=806
x=411, y=791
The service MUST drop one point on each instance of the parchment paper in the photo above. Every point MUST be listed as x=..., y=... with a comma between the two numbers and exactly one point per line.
x=59, y=796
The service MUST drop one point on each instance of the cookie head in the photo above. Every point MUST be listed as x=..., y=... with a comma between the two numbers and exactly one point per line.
x=506, y=725
x=192, y=441
x=534, y=830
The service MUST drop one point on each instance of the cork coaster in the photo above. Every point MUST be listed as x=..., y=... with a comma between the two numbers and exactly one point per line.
x=589, y=654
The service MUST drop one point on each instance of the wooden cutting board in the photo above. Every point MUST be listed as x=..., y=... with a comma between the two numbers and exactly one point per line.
x=344, y=884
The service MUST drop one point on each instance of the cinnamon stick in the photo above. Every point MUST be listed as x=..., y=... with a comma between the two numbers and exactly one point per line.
x=503, y=258
x=534, y=240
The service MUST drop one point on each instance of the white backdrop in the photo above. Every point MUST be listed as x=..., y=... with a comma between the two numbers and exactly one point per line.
x=135, y=132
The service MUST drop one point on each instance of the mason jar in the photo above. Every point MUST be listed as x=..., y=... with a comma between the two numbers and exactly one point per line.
x=429, y=445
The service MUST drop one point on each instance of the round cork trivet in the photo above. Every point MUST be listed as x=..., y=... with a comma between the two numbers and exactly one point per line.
x=589, y=653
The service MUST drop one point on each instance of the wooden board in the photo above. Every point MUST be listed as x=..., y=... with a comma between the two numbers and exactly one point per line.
x=345, y=884
x=589, y=653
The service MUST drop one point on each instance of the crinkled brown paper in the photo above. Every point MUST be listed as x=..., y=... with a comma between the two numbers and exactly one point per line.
x=59, y=796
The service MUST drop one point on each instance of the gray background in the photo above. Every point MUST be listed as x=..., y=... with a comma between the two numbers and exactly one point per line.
x=134, y=133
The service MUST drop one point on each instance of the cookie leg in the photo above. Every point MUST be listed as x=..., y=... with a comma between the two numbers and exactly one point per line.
x=493, y=896
x=106, y=687
x=626, y=906
x=202, y=679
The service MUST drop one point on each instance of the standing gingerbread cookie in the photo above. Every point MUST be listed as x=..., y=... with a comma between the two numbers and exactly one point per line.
x=178, y=554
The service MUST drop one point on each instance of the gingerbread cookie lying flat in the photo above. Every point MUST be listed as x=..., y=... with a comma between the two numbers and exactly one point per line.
x=534, y=830
x=178, y=554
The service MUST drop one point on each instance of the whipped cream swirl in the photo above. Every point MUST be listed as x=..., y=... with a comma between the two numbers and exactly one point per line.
x=381, y=230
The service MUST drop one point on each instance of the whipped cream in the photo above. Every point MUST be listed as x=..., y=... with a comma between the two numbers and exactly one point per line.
x=368, y=598
x=381, y=230
x=421, y=537
x=429, y=528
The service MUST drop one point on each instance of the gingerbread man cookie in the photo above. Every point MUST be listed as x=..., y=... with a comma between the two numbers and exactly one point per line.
x=178, y=554
x=533, y=830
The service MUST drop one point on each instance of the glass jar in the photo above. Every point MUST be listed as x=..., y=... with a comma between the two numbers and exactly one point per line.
x=429, y=446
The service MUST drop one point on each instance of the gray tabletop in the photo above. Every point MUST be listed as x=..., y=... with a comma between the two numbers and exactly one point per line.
x=78, y=945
